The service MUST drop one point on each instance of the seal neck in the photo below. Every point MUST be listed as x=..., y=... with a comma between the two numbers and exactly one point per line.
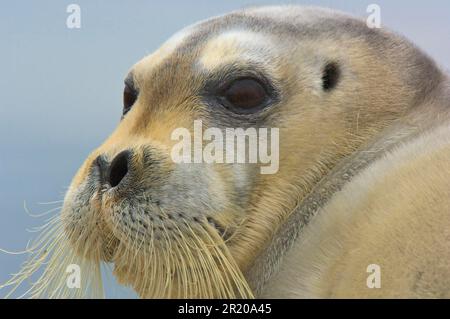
x=268, y=262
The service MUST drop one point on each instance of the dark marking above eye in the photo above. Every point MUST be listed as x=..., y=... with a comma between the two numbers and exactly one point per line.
x=330, y=76
x=245, y=94
x=130, y=95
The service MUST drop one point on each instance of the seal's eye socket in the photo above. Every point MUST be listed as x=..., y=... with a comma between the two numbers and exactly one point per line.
x=246, y=95
x=130, y=95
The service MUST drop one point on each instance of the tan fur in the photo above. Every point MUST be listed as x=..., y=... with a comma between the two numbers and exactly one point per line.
x=384, y=81
x=394, y=214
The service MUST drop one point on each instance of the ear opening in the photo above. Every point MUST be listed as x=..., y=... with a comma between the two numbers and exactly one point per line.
x=330, y=76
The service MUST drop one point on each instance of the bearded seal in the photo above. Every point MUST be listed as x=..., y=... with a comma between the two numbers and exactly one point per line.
x=354, y=108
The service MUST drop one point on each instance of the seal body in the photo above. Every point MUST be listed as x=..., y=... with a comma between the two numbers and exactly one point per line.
x=392, y=216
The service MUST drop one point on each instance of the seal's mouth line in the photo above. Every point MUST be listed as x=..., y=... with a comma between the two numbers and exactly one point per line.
x=111, y=245
x=223, y=232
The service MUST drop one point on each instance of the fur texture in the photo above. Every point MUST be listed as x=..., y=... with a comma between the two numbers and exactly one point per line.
x=346, y=166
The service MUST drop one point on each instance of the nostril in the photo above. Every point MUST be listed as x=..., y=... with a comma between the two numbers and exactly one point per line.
x=118, y=168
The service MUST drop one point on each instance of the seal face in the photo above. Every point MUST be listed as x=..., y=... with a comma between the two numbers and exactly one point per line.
x=191, y=230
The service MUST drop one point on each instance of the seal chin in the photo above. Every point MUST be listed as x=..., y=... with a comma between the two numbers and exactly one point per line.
x=109, y=249
x=159, y=253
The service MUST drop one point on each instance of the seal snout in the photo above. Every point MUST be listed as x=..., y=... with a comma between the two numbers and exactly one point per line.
x=118, y=168
x=113, y=173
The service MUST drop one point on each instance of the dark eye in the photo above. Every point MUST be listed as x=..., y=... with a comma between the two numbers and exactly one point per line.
x=246, y=95
x=130, y=95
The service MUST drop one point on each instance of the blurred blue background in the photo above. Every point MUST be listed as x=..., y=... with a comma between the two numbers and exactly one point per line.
x=61, y=89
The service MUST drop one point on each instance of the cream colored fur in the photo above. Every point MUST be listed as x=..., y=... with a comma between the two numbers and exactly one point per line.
x=364, y=175
x=395, y=214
